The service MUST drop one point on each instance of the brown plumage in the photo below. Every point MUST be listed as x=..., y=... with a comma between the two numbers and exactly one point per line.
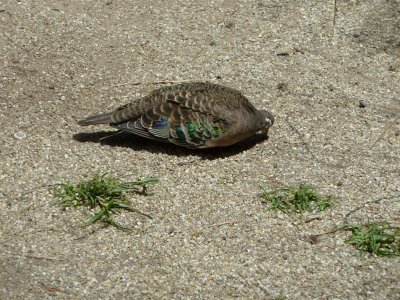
x=193, y=115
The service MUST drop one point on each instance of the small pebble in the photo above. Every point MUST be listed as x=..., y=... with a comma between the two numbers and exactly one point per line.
x=282, y=52
x=361, y=104
x=312, y=218
x=20, y=135
x=339, y=242
x=313, y=239
x=282, y=86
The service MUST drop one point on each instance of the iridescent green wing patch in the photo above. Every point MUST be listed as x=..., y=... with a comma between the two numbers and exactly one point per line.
x=195, y=133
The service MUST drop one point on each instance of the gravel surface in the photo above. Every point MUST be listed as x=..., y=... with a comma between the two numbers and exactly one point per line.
x=333, y=92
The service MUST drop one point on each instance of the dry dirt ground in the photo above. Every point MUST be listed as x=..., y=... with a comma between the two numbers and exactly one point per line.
x=211, y=236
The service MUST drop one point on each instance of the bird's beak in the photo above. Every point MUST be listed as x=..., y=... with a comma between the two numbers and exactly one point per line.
x=265, y=130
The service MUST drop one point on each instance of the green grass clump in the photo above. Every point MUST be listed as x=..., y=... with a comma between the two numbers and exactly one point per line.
x=297, y=200
x=104, y=195
x=376, y=238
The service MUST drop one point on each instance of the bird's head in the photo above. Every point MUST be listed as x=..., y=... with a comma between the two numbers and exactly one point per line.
x=267, y=120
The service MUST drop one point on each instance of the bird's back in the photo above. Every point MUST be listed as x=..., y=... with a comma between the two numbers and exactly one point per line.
x=204, y=97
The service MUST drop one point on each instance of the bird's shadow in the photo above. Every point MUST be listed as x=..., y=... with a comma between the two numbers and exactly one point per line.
x=136, y=143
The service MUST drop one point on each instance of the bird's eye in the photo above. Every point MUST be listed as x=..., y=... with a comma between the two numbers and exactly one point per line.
x=267, y=122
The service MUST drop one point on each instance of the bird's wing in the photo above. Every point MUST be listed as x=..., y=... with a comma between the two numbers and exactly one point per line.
x=185, y=119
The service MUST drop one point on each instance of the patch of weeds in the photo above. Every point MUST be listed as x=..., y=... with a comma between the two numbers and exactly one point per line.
x=213, y=43
x=282, y=86
x=297, y=200
x=376, y=238
x=104, y=195
x=392, y=68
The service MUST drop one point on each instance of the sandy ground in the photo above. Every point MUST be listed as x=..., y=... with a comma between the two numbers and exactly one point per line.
x=210, y=237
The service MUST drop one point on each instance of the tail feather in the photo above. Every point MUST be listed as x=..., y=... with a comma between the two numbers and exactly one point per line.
x=96, y=119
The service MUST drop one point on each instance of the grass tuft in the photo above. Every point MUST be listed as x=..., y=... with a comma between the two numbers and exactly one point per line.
x=104, y=195
x=297, y=200
x=377, y=238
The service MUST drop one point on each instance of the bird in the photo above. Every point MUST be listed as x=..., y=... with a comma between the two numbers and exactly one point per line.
x=194, y=115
